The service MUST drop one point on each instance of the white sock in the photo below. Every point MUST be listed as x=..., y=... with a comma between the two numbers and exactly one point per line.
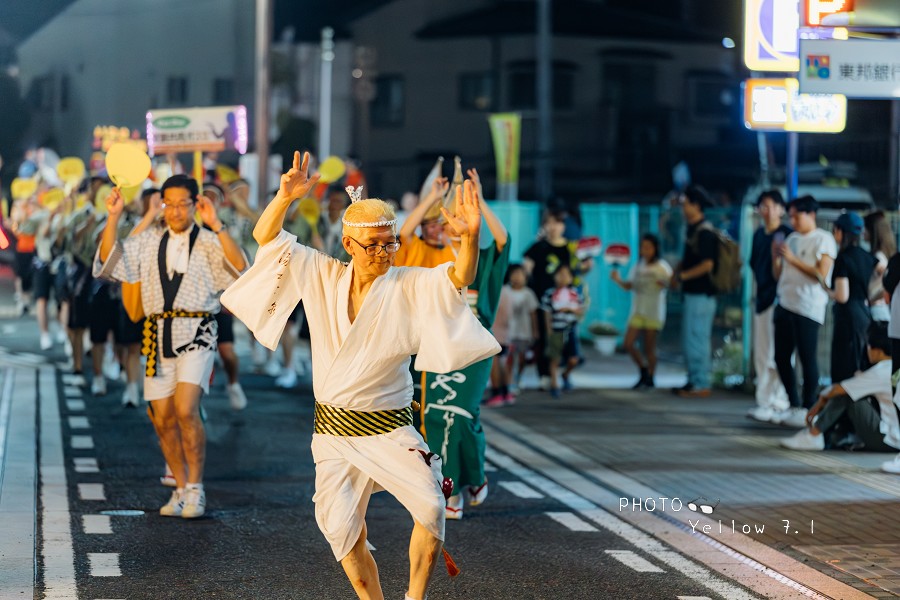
x=194, y=486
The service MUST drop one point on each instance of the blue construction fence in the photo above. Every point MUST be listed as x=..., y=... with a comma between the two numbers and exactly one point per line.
x=625, y=224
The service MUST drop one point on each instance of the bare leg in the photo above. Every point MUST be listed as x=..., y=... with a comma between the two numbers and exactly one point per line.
x=423, y=552
x=41, y=309
x=650, y=349
x=631, y=347
x=162, y=414
x=553, y=364
x=132, y=362
x=570, y=366
x=362, y=571
x=190, y=426
x=229, y=361
x=288, y=341
x=76, y=337
x=63, y=315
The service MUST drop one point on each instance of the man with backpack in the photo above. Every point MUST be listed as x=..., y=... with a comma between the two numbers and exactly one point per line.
x=695, y=274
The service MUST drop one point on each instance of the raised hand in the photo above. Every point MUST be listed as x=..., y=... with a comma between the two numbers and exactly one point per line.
x=467, y=220
x=438, y=189
x=207, y=213
x=296, y=183
x=115, y=204
x=473, y=175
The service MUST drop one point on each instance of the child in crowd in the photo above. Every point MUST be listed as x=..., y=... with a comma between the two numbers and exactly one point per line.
x=563, y=306
x=648, y=280
x=516, y=329
x=876, y=429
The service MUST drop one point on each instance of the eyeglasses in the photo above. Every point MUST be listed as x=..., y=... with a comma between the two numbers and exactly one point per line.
x=706, y=509
x=178, y=206
x=374, y=249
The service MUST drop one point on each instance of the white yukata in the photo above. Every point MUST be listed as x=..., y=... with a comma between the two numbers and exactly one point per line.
x=204, y=273
x=364, y=367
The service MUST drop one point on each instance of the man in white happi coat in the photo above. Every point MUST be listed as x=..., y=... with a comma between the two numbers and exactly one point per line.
x=182, y=269
x=366, y=318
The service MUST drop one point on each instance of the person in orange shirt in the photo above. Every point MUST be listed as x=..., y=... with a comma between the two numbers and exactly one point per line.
x=25, y=229
x=432, y=248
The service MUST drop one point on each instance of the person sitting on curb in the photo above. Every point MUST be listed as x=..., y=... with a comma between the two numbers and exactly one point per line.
x=878, y=429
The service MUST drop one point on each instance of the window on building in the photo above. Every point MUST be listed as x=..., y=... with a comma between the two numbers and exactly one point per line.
x=477, y=91
x=389, y=104
x=64, y=93
x=712, y=97
x=630, y=85
x=523, y=79
x=177, y=90
x=223, y=91
x=41, y=92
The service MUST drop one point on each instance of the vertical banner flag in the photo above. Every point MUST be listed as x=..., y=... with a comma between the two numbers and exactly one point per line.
x=506, y=132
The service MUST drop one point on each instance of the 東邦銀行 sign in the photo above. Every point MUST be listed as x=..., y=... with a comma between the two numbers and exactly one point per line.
x=855, y=68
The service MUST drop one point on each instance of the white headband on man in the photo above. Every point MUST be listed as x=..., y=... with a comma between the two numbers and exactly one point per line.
x=356, y=196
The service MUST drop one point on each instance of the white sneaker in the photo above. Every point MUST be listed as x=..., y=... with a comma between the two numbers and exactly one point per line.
x=892, y=466
x=287, y=379
x=131, y=397
x=68, y=348
x=763, y=414
x=545, y=383
x=112, y=369
x=98, y=386
x=236, y=397
x=794, y=417
x=273, y=367
x=174, y=507
x=804, y=440
x=194, y=503
x=61, y=337
x=74, y=379
x=454, y=508
x=46, y=341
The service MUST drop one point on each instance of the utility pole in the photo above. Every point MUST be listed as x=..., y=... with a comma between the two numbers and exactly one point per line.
x=325, y=93
x=264, y=17
x=544, y=83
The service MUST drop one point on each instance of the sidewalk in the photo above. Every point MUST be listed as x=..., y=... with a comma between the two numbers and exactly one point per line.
x=834, y=510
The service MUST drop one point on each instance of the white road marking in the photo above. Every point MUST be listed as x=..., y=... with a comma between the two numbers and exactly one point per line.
x=633, y=561
x=694, y=598
x=91, y=491
x=86, y=465
x=572, y=522
x=81, y=442
x=56, y=529
x=79, y=423
x=75, y=405
x=520, y=490
x=99, y=524
x=488, y=468
x=18, y=478
x=104, y=564
x=7, y=329
x=592, y=512
x=71, y=391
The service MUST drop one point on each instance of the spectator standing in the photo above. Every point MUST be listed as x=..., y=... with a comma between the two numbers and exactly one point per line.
x=882, y=245
x=853, y=270
x=563, y=306
x=803, y=265
x=648, y=281
x=697, y=264
x=515, y=327
x=771, y=398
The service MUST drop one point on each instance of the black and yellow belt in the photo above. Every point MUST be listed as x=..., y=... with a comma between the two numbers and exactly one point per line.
x=331, y=420
x=150, y=347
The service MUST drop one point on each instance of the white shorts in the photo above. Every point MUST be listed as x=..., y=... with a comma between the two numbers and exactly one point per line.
x=191, y=367
x=350, y=469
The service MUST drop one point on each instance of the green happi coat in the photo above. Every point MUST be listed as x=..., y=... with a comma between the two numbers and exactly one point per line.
x=451, y=401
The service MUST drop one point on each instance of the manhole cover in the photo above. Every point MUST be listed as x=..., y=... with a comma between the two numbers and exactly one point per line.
x=122, y=513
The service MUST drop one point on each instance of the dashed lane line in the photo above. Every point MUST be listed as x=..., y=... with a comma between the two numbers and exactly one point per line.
x=91, y=491
x=75, y=405
x=81, y=442
x=520, y=490
x=72, y=391
x=634, y=562
x=79, y=423
x=571, y=521
x=96, y=524
x=104, y=564
x=85, y=465
x=56, y=530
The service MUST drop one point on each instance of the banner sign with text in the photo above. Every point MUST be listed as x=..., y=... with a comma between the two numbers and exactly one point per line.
x=208, y=129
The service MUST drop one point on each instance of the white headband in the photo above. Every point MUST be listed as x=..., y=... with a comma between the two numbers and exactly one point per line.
x=356, y=196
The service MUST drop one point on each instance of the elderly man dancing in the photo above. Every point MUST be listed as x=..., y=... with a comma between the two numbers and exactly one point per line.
x=366, y=318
